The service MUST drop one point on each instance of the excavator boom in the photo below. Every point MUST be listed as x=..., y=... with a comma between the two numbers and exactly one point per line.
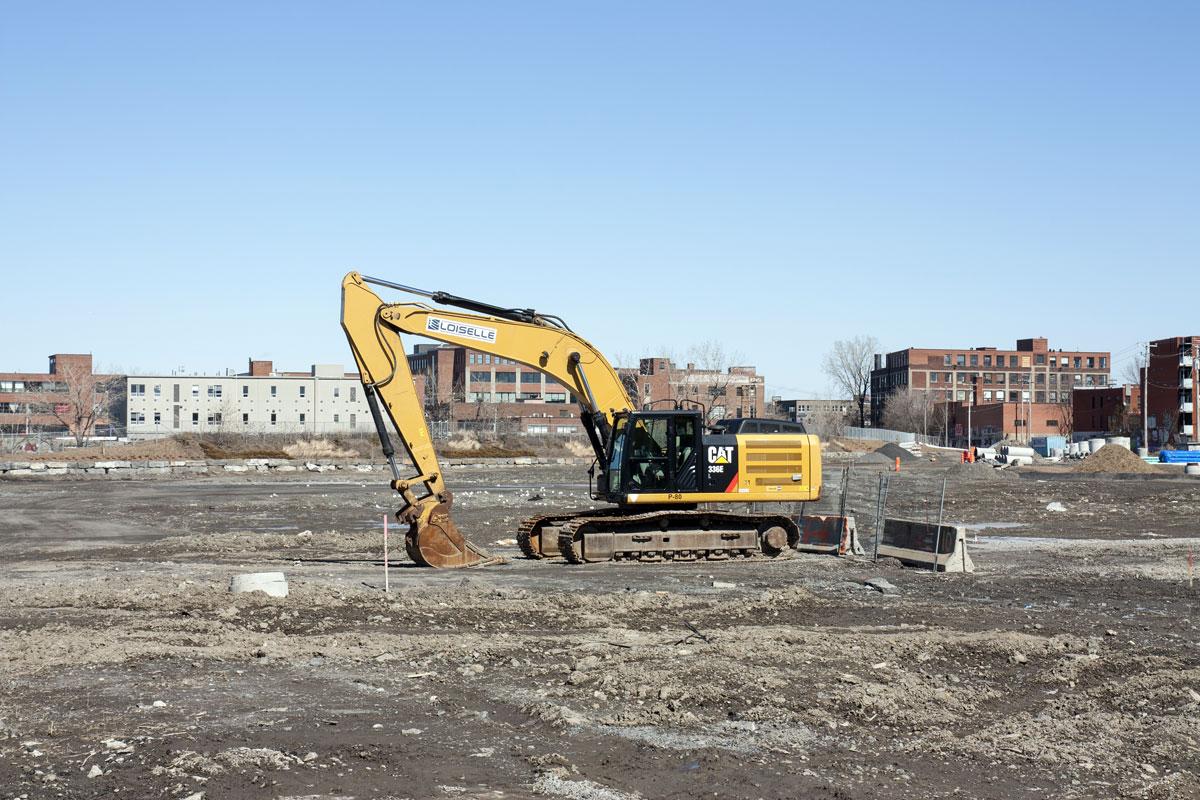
x=541, y=342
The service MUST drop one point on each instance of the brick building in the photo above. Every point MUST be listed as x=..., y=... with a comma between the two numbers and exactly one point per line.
x=1171, y=378
x=733, y=392
x=1106, y=410
x=46, y=401
x=1030, y=374
x=993, y=421
x=468, y=390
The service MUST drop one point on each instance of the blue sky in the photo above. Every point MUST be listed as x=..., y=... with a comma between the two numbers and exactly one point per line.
x=186, y=184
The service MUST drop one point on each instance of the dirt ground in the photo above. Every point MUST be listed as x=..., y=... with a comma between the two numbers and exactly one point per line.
x=1067, y=666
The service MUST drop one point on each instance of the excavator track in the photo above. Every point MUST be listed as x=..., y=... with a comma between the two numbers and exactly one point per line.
x=676, y=536
x=534, y=545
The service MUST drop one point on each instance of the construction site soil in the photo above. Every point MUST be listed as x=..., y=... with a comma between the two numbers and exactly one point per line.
x=1066, y=666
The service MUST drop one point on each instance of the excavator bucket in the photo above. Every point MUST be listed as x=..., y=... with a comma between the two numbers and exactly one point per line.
x=435, y=541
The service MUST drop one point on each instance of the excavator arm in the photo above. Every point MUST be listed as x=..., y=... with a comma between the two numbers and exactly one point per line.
x=541, y=342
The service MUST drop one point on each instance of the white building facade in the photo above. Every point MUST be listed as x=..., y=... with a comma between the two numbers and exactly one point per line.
x=324, y=400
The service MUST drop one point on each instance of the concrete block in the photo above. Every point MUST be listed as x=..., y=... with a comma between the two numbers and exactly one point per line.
x=5, y=466
x=38, y=466
x=235, y=468
x=56, y=471
x=179, y=463
x=155, y=470
x=18, y=465
x=255, y=462
x=285, y=468
x=274, y=463
x=113, y=465
x=157, y=464
x=197, y=468
x=271, y=583
x=95, y=471
x=16, y=472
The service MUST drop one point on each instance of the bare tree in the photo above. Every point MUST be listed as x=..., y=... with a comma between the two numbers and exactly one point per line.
x=909, y=411
x=1166, y=428
x=1132, y=371
x=826, y=421
x=848, y=364
x=1066, y=415
x=77, y=399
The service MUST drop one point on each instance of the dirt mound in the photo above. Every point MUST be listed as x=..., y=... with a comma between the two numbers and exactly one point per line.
x=894, y=451
x=1113, y=458
x=980, y=470
x=855, y=445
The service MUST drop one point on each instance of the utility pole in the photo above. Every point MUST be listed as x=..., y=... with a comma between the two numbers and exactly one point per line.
x=1145, y=405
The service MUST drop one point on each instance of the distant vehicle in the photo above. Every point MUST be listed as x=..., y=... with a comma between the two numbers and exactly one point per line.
x=758, y=425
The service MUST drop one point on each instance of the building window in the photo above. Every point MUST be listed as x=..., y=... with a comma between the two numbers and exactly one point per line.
x=137, y=418
x=933, y=377
x=987, y=361
x=353, y=420
x=158, y=418
x=195, y=390
x=245, y=390
x=974, y=360
x=301, y=419
x=531, y=377
x=960, y=395
x=1103, y=362
x=960, y=360
x=214, y=390
x=158, y=390
x=272, y=413
x=245, y=419
x=335, y=417
x=302, y=390
x=539, y=429
x=353, y=393
x=337, y=391
x=274, y=391
x=1078, y=380
x=506, y=377
x=506, y=397
x=556, y=397
x=195, y=417
x=214, y=419
x=481, y=377
x=487, y=359
x=1051, y=423
x=1040, y=358
x=137, y=390
x=1054, y=397
x=1078, y=362
x=946, y=359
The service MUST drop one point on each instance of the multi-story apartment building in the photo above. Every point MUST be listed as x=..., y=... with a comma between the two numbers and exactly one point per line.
x=1032, y=373
x=49, y=401
x=323, y=400
x=1171, y=378
x=732, y=392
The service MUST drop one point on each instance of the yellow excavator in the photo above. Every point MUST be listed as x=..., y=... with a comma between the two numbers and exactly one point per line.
x=662, y=469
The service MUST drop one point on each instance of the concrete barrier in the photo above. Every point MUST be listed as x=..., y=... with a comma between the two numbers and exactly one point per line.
x=828, y=533
x=923, y=544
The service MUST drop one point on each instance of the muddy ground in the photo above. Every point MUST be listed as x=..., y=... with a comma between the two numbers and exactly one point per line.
x=1066, y=666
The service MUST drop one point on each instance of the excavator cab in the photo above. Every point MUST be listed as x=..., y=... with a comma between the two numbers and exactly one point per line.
x=654, y=452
